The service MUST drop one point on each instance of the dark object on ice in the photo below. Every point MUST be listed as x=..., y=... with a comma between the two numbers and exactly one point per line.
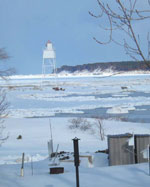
x=58, y=89
x=19, y=137
x=56, y=170
x=62, y=89
x=124, y=87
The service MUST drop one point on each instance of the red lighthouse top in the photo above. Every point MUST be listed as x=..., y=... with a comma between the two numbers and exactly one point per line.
x=48, y=42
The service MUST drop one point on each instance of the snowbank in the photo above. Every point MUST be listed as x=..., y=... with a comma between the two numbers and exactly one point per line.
x=118, y=176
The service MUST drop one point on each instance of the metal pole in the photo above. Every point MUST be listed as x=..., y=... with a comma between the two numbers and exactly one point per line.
x=76, y=159
x=149, y=158
x=22, y=166
x=77, y=176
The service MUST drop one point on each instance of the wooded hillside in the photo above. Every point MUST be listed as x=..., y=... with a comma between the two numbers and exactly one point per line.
x=116, y=66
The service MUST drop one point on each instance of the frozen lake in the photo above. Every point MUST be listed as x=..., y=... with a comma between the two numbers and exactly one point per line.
x=123, y=97
x=34, y=105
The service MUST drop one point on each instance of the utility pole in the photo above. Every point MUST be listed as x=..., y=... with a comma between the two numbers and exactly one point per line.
x=76, y=159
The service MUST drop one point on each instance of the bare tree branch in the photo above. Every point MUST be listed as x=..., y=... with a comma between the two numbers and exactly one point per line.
x=3, y=103
x=122, y=18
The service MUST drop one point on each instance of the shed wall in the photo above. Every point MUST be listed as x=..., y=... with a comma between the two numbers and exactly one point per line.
x=120, y=153
x=141, y=143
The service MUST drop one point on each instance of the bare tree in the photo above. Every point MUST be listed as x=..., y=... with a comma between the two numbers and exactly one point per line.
x=95, y=128
x=99, y=128
x=121, y=16
x=3, y=102
x=79, y=123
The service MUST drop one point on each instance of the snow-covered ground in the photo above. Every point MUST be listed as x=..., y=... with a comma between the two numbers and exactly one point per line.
x=123, y=104
x=35, y=134
x=118, y=176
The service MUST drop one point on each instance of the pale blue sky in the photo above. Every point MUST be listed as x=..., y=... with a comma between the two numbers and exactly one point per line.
x=26, y=25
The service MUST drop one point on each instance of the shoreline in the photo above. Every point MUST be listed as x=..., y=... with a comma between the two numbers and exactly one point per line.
x=78, y=75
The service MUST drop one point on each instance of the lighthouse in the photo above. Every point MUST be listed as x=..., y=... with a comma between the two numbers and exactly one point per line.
x=49, y=59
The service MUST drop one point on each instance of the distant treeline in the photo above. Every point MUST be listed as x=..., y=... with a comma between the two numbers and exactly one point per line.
x=116, y=66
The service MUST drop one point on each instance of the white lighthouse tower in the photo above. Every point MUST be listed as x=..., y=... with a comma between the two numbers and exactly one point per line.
x=49, y=59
